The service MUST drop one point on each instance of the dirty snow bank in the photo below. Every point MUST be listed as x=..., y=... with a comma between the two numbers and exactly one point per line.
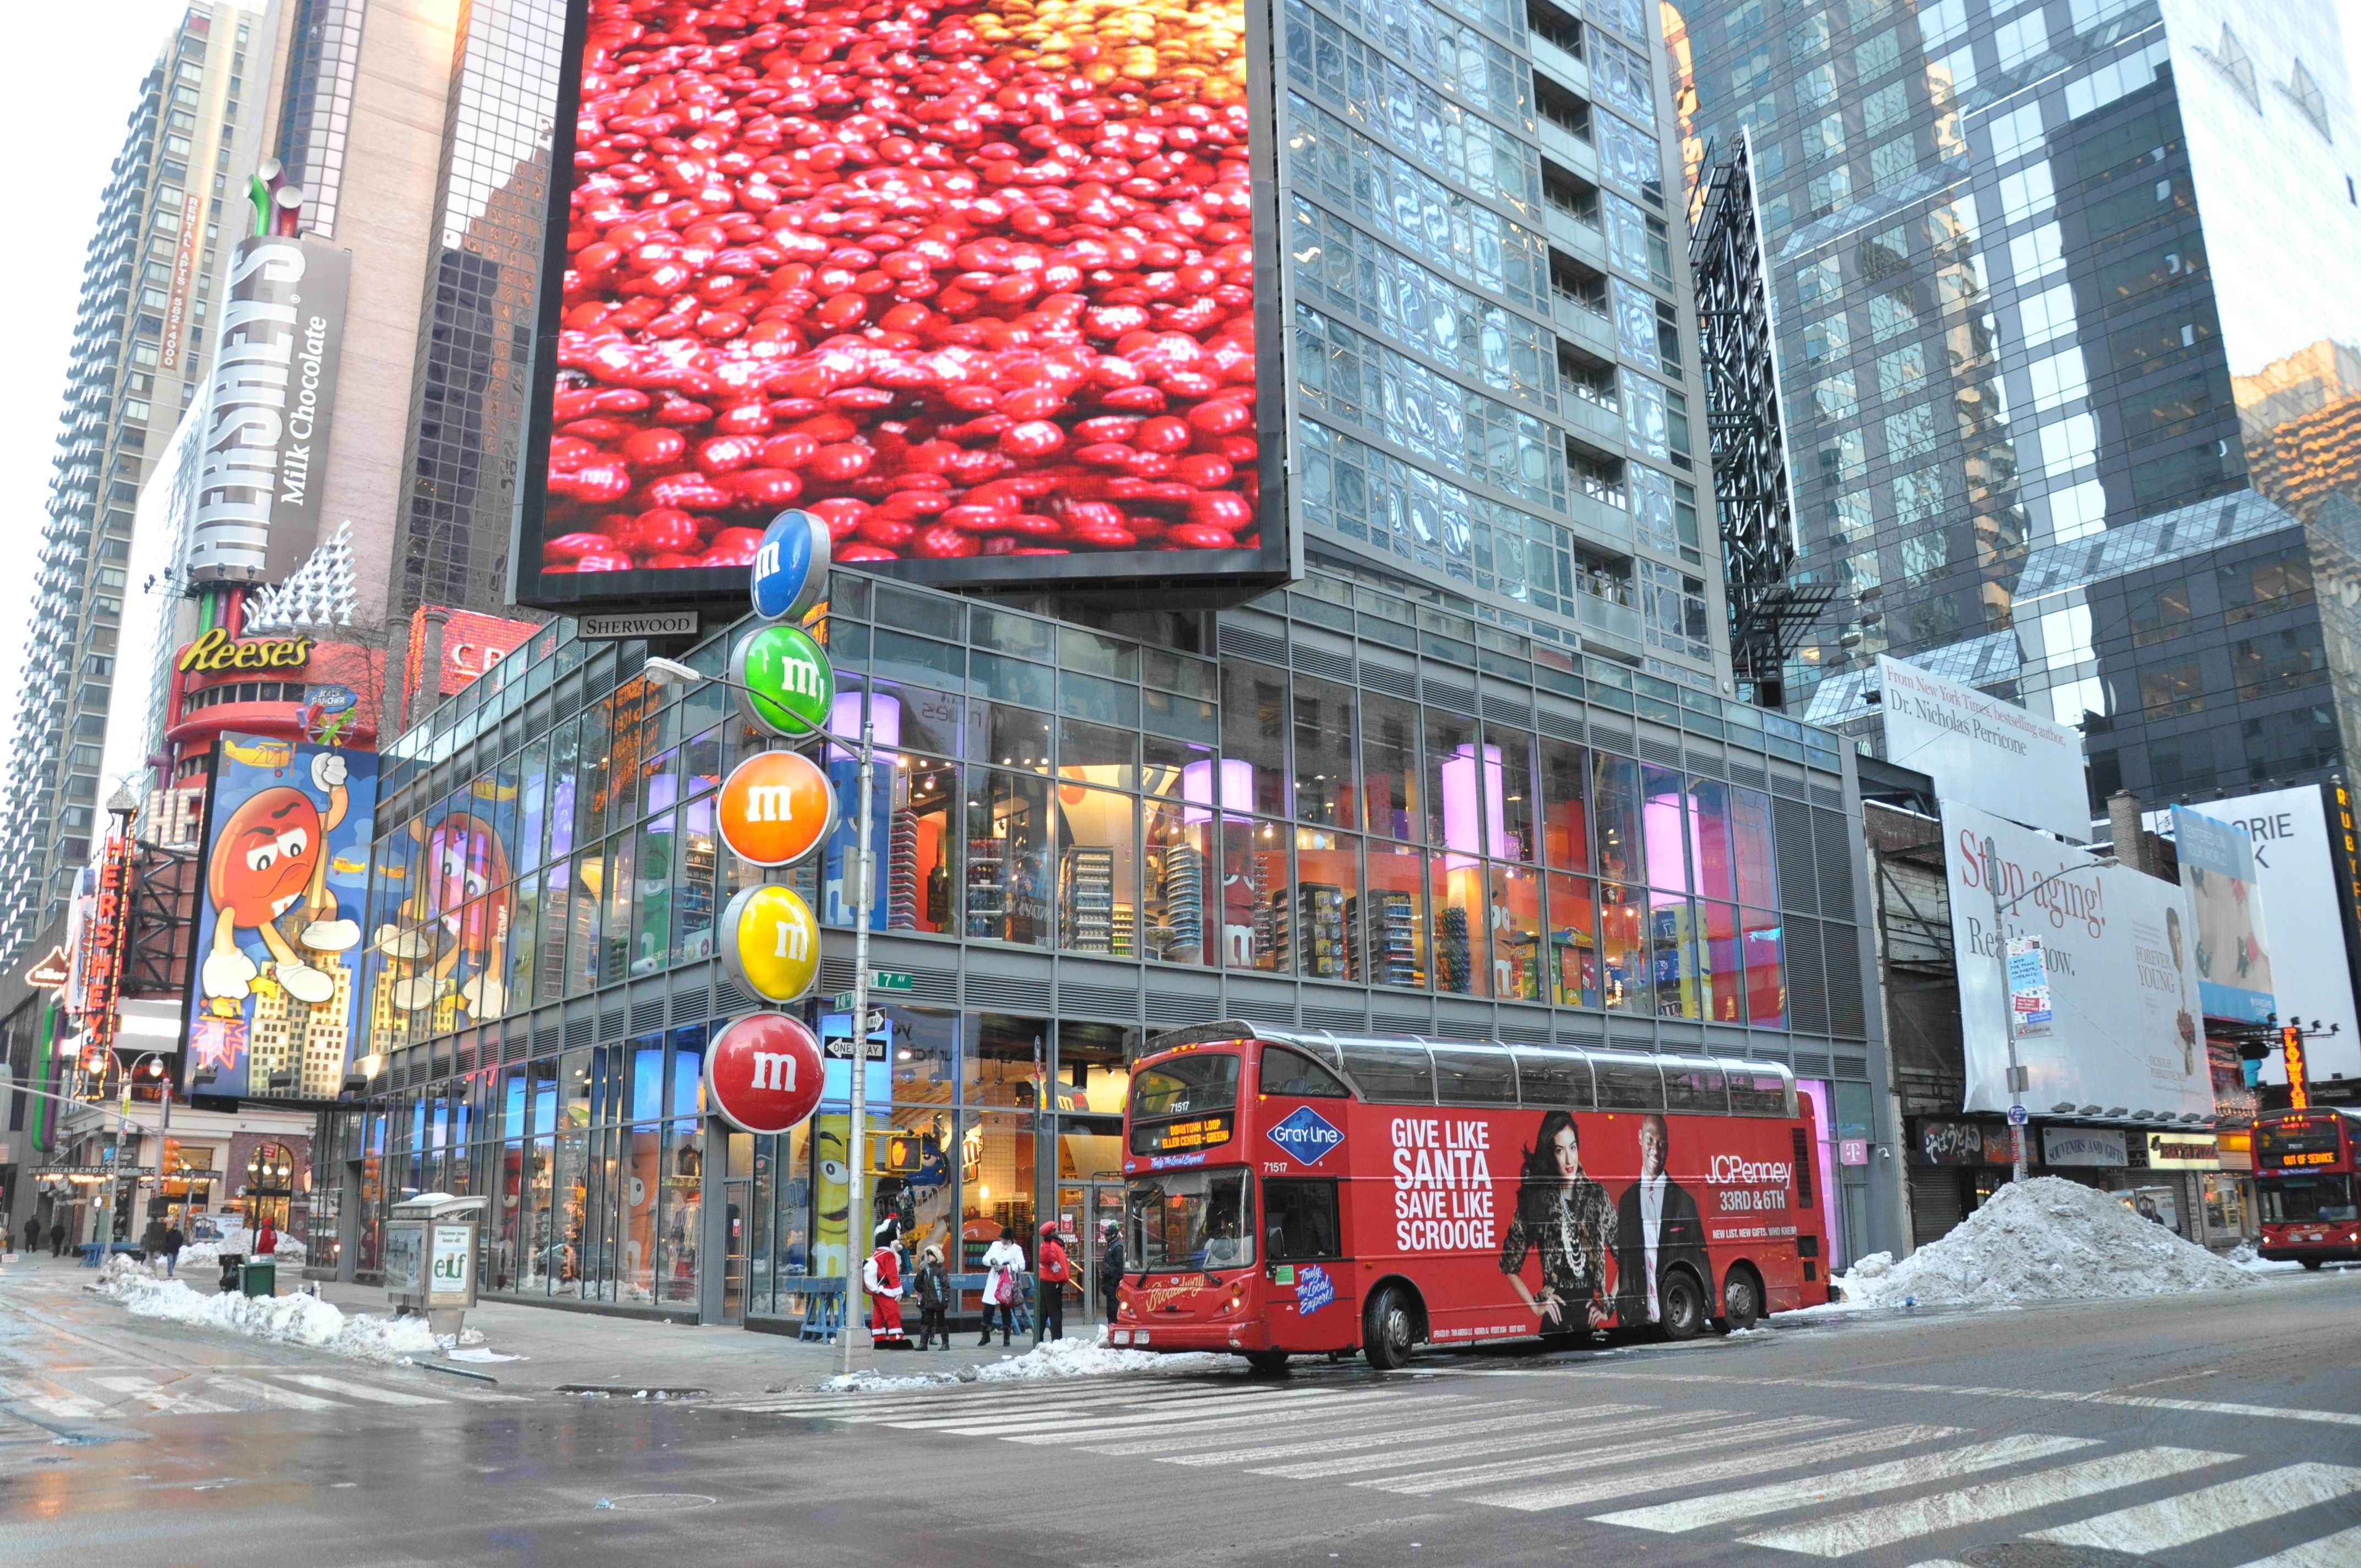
x=2046, y=1239
x=289, y=1320
x=198, y=1255
x=1058, y=1358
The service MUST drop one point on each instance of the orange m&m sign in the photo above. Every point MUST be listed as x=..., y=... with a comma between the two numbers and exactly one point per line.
x=776, y=808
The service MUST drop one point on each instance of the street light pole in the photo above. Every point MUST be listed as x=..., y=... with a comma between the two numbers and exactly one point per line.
x=2017, y=1077
x=856, y=1154
x=2008, y=1014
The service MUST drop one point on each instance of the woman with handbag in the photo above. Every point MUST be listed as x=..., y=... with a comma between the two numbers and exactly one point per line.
x=1003, y=1280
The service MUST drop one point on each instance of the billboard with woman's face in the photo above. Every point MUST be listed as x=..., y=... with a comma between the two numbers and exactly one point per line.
x=984, y=285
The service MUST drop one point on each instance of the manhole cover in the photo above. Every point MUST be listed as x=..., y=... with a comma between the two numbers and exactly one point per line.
x=657, y=1502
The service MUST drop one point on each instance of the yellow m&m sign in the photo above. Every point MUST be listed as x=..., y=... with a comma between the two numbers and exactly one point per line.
x=770, y=943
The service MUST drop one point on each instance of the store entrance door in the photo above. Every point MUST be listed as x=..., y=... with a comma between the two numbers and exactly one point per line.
x=1085, y=1210
x=737, y=1205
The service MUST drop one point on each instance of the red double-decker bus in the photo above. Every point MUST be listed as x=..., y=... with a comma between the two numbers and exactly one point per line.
x=1293, y=1193
x=2305, y=1173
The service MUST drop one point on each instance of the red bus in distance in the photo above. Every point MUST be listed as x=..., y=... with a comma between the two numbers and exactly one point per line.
x=2304, y=1185
x=1309, y=1194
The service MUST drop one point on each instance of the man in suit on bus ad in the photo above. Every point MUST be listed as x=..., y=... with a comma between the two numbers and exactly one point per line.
x=1656, y=1224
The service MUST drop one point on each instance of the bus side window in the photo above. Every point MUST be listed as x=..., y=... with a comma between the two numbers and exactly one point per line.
x=1292, y=1072
x=1299, y=1219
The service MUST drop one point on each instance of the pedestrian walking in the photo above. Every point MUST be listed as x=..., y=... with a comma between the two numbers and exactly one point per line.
x=882, y=1276
x=1004, y=1276
x=174, y=1240
x=1111, y=1268
x=266, y=1240
x=934, y=1291
x=151, y=1243
x=57, y=1238
x=1053, y=1271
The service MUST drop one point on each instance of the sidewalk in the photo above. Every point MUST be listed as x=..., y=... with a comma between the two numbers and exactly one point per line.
x=571, y=1349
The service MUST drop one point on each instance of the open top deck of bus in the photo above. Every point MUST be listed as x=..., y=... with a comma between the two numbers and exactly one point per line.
x=1413, y=1069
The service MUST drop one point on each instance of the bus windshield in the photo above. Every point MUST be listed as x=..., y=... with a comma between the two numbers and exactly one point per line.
x=1192, y=1220
x=2307, y=1199
x=1184, y=1086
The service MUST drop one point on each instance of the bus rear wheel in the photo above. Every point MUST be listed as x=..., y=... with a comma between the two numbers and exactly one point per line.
x=1683, y=1300
x=1267, y=1360
x=1388, y=1328
x=1741, y=1299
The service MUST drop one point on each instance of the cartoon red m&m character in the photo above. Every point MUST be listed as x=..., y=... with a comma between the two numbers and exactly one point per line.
x=269, y=858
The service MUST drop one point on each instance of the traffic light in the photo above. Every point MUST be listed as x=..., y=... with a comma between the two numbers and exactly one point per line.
x=2253, y=1052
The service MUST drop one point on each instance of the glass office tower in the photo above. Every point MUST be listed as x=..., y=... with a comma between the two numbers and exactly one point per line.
x=2068, y=336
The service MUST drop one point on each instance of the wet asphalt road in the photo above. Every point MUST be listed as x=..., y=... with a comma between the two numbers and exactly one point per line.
x=2187, y=1432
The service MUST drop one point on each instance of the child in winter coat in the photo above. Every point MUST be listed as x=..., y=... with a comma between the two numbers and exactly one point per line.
x=934, y=1290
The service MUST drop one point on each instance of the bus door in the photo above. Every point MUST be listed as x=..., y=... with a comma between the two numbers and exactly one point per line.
x=1310, y=1299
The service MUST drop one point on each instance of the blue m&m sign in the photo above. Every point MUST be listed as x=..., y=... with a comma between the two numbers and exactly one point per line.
x=790, y=572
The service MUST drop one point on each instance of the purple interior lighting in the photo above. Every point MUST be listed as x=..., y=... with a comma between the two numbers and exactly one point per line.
x=1197, y=789
x=1464, y=829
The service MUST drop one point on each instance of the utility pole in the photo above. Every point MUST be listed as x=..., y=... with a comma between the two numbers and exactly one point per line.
x=856, y=1152
x=2008, y=1009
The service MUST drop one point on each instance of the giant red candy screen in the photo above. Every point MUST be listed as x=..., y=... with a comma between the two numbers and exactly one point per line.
x=969, y=281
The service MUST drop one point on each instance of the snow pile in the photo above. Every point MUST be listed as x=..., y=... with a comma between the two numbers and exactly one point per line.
x=2046, y=1239
x=198, y=1255
x=289, y=1320
x=2244, y=1256
x=1056, y=1358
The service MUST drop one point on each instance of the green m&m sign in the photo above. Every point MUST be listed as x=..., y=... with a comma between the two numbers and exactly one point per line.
x=784, y=680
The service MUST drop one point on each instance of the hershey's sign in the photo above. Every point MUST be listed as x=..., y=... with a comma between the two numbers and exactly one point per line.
x=268, y=411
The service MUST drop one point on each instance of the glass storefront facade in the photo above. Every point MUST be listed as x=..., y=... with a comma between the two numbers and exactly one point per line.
x=1341, y=807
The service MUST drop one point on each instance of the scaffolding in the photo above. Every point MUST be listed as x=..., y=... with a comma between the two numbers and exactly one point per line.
x=1770, y=608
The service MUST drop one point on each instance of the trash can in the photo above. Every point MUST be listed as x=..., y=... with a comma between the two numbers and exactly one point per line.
x=258, y=1277
x=230, y=1264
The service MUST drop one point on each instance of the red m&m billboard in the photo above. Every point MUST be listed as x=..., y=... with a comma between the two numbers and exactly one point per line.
x=989, y=287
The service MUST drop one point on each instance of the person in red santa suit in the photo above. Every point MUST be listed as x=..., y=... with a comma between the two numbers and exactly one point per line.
x=882, y=1276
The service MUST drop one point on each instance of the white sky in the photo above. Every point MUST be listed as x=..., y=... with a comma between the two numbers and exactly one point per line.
x=69, y=113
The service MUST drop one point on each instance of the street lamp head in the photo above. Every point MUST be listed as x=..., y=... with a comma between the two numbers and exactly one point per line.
x=671, y=673
x=122, y=802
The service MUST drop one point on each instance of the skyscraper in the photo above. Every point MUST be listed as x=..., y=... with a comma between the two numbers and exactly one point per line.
x=174, y=202
x=2067, y=332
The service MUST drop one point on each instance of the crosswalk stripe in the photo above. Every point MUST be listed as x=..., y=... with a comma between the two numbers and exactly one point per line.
x=1396, y=1431
x=2192, y=1515
x=1848, y=1533
x=864, y=1412
x=358, y=1390
x=1299, y=1423
x=1722, y=1507
x=1592, y=1459
x=2339, y=1550
x=253, y=1388
x=66, y=1406
x=1355, y=1464
x=164, y=1401
x=1016, y=1403
x=1163, y=1420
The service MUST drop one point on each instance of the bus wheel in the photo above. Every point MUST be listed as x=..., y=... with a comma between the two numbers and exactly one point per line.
x=1387, y=1330
x=2312, y=1263
x=1741, y=1299
x=1267, y=1360
x=1684, y=1306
